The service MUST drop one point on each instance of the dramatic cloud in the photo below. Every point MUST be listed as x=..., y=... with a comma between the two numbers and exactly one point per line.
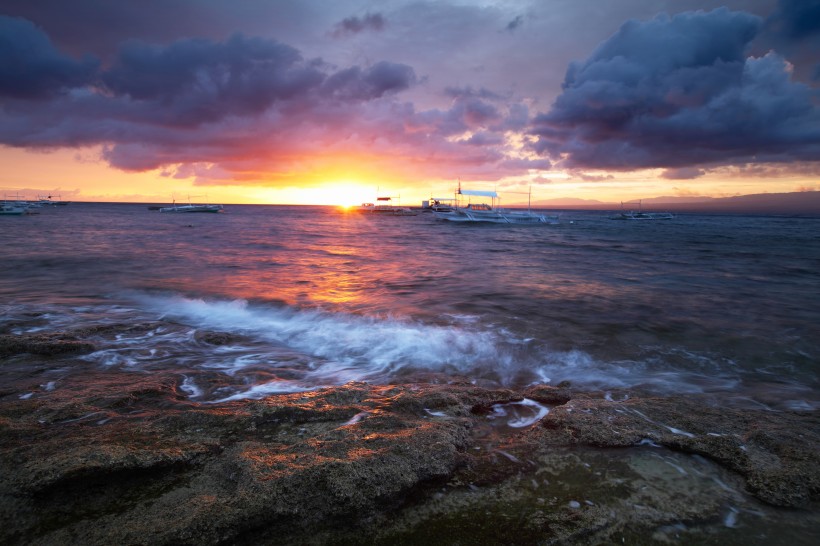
x=420, y=89
x=680, y=91
x=31, y=67
x=197, y=81
x=244, y=109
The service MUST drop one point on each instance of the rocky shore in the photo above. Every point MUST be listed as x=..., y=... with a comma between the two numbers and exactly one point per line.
x=113, y=456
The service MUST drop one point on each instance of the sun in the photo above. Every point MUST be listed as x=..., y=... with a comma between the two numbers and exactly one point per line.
x=339, y=193
x=343, y=194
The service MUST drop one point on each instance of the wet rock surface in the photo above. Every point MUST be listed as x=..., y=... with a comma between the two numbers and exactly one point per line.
x=43, y=344
x=121, y=457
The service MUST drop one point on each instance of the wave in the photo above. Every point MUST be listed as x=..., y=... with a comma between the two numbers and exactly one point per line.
x=309, y=349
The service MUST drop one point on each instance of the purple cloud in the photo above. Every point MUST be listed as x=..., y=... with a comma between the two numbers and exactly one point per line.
x=31, y=67
x=246, y=108
x=355, y=25
x=680, y=91
x=380, y=79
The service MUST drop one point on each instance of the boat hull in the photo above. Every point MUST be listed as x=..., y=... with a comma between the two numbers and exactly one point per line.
x=193, y=208
x=495, y=217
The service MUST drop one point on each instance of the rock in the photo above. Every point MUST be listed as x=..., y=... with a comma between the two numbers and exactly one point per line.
x=777, y=452
x=112, y=456
x=43, y=344
x=216, y=338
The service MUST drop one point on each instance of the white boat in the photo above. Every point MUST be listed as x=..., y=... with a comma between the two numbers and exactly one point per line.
x=640, y=214
x=384, y=206
x=192, y=208
x=16, y=207
x=489, y=213
x=7, y=209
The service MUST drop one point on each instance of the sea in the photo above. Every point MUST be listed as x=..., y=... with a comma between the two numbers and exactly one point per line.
x=306, y=297
x=262, y=300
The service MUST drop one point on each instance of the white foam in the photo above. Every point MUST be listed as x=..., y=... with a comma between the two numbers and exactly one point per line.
x=524, y=413
x=323, y=348
x=190, y=388
x=355, y=347
x=257, y=392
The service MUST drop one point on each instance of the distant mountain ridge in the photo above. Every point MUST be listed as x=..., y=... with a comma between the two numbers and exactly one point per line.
x=800, y=203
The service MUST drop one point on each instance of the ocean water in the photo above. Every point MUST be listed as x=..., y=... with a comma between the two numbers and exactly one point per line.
x=307, y=297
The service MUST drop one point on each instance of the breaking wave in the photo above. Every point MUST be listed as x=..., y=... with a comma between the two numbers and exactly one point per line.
x=283, y=349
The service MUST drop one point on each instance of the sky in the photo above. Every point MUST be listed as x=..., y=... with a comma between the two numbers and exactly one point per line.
x=335, y=102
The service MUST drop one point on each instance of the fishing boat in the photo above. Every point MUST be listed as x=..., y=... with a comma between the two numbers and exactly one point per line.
x=10, y=209
x=489, y=212
x=16, y=207
x=640, y=214
x=384, y=206
x=192, y=208
x=48, y=201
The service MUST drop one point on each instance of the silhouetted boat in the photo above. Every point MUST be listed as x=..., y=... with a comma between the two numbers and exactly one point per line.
x=640, y=214
x=384, y=206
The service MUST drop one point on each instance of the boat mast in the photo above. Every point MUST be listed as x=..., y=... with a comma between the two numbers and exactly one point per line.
x=529, y=199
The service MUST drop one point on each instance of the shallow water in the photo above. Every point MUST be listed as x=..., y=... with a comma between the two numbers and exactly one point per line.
x=312, y=296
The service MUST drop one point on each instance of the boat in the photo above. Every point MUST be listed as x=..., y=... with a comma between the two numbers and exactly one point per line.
x=192, y=208
x=47, y=201
x=11, y=209
x=438, y=204
x=384, y=206
x=489, y=212
x=16, y=207
x=640, y=214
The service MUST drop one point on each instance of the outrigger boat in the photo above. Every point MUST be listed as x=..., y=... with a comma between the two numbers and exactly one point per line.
x=490, y=213
x=384, y=206
x=16, y=207
x=640, y=214
x=7, y=209
x=192, y=208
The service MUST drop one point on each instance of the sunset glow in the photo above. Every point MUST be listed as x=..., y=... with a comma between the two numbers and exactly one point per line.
x=326, y=105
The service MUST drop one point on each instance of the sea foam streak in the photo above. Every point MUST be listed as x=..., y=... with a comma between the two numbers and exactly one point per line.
x=379, y=344
x=336, y=348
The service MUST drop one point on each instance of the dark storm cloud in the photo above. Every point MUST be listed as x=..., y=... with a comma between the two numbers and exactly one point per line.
x=31, y=67
x=793, y=30
x=150, y=97
x=680, y=91
x=355, y=25
x=196, y=81
x=797, y=19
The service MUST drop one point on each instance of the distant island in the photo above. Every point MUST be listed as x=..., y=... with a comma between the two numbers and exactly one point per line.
x=804, y=203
